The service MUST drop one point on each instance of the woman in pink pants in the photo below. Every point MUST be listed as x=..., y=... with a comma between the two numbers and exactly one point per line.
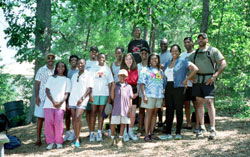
x=57, y=89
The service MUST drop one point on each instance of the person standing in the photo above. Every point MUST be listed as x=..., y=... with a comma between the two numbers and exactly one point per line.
x=135, y=46
x=70, y=135
x=189, y=45
x=41, y=78
x=165, y=55
x=205, y=58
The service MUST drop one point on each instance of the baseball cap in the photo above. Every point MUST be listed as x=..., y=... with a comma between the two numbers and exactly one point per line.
x=50, y=54
x=204, y=35
x=144, y=49
x=92, y=48
x=123, y=72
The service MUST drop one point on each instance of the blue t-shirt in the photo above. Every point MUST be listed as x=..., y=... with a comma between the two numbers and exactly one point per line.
x=154, y=81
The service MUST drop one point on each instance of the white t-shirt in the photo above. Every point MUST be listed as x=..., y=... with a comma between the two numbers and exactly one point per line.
x=90, y=64
x=80, y=87
x=42, y=76
x=186, y=55
x=102, y=76
x=169, y=73
x=58, y=86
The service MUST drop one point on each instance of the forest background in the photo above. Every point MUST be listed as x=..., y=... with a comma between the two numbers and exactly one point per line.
x=71, y=26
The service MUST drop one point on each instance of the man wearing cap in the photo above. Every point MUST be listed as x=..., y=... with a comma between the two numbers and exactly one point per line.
x=41, y=78
x=205, y=59
x=135, y=46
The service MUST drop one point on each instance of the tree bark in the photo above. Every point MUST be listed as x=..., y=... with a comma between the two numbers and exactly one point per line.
x=205, y=15
x=87, y=38
x=152, y=34
x=42, y=42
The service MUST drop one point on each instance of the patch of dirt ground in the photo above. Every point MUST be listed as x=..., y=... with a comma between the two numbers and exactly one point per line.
x=233, y=139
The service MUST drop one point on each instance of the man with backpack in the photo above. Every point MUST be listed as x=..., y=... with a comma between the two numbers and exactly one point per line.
x=207, y=59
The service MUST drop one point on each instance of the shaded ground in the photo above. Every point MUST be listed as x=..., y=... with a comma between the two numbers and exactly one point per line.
x=233, y=139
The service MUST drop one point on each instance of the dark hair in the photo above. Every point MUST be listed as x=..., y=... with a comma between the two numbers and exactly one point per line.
x=188, y=38
x=81, y=59
x=144, y=49
x=93, y=48
x=121, y=48
x=178, y=47
x=73, y=56
x=158, y=57
x=65, y=71
x=137, y=28
x=124, y=65
x=101, y=54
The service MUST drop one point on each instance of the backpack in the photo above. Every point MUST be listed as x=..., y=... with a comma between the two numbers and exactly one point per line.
x=4, y=123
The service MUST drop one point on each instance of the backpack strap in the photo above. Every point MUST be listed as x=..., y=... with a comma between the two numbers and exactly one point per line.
x=209, y=56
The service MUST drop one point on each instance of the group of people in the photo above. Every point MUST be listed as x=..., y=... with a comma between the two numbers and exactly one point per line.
x=137, y=79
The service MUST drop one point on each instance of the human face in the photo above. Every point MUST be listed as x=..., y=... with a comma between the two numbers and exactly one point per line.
x=50, y=60
x=101, y=59
x=175, y=52
x=188, y=44
x=118, y=54
x=164, y=46
x=128, y=61
x=154, y=61
x=122, y=78
x=202, y=42
x=144, y=55
x=93, y=54
x=137, y=33
x=81, y=65
x=73, y=62
x=60, y=69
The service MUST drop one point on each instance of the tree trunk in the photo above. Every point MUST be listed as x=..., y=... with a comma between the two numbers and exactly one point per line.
x=87, y=38
x=205, y=15
x=152, y=35
x=42, y=42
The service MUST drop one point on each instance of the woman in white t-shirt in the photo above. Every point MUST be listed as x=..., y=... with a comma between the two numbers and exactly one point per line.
x=82, y=84
x=103, y=80
x=57, y=90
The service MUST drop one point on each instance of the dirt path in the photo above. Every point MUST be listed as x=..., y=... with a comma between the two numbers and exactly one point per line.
x=233, y=139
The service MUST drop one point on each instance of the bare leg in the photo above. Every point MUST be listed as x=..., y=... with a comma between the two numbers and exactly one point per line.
x=39, y=131
x=78, y=116
x=211, y=111
x=93, y=117
x=73, y=114
x=88, y=117
x=188, y=113
x=132, y=116
x=200, y=109
x=153, y=121
x=100, y=118
x=148, y=120
x=197, y=124
x=141, y=118
x=122, y=128
x=67, y=119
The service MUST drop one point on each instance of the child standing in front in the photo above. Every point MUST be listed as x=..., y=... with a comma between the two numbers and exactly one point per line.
x=57, y=90
x=122, y=95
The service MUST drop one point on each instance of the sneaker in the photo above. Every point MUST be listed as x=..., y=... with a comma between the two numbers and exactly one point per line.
x=200, y=133
x=66, y=137
x=71, y=136
x=99, y=137
x=178, y=137
x=50, y=146
x=119, y=142
x=59, y=146
x=196, y=131
x=212, y=135
x=92, y=137
x=125, y=137
x=77, y=144
x=132, y=136
x=166, y=137
x=111, y=142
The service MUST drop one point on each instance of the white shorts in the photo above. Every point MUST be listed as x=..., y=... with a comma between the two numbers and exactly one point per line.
x=39, y=111
x=120, y=120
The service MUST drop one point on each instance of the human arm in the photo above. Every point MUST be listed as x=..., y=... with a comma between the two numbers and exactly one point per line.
x=55, y=104
x=37, y=87
x=192, y=67
x=113, y=91
x=223, y=65
x=145, y=99
x=84, y=96
x=130, y=107
x=110, y=88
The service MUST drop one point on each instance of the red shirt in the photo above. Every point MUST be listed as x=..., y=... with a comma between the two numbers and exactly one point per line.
x=132, y=77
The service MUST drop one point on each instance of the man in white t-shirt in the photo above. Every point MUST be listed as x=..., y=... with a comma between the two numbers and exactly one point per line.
x=41, y=78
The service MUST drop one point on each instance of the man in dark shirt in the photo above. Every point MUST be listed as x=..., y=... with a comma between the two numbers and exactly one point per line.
x=135, y=46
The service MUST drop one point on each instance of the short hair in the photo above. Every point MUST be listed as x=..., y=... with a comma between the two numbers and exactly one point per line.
x=101, y=54
x=94, y=48
x=73, y=56
x=81, y=59
x=144, y=49
x=188, y=38
x=178, y=47
x=158, y=57
x=121, y=48
x=123, y=64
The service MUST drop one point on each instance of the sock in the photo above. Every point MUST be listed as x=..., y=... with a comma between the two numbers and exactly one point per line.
x=92, y=132
x=120, y=136
x=203, y=127
x=130, y=129
x=125, y=130
x=99, y=131
x=112, y=137
x=212, y=128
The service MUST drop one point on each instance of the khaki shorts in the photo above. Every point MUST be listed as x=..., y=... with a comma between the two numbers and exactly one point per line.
x=152, y=103
x=120, y=120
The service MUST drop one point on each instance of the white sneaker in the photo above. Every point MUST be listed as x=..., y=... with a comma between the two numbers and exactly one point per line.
x=178, y=137
x=125, y=137
x=132, y=136
x=59, y=146
x=99, y=137
x=71, y=136
x=50, y=146
x=166, y=137
x=92, y=137
x=109, y=132
x=66, y=137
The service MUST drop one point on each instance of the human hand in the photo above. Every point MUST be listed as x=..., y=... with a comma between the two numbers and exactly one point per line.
x=38, y=101
x=135, y=95
x=211, y=80
x=185, y=83
x=145, y=99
